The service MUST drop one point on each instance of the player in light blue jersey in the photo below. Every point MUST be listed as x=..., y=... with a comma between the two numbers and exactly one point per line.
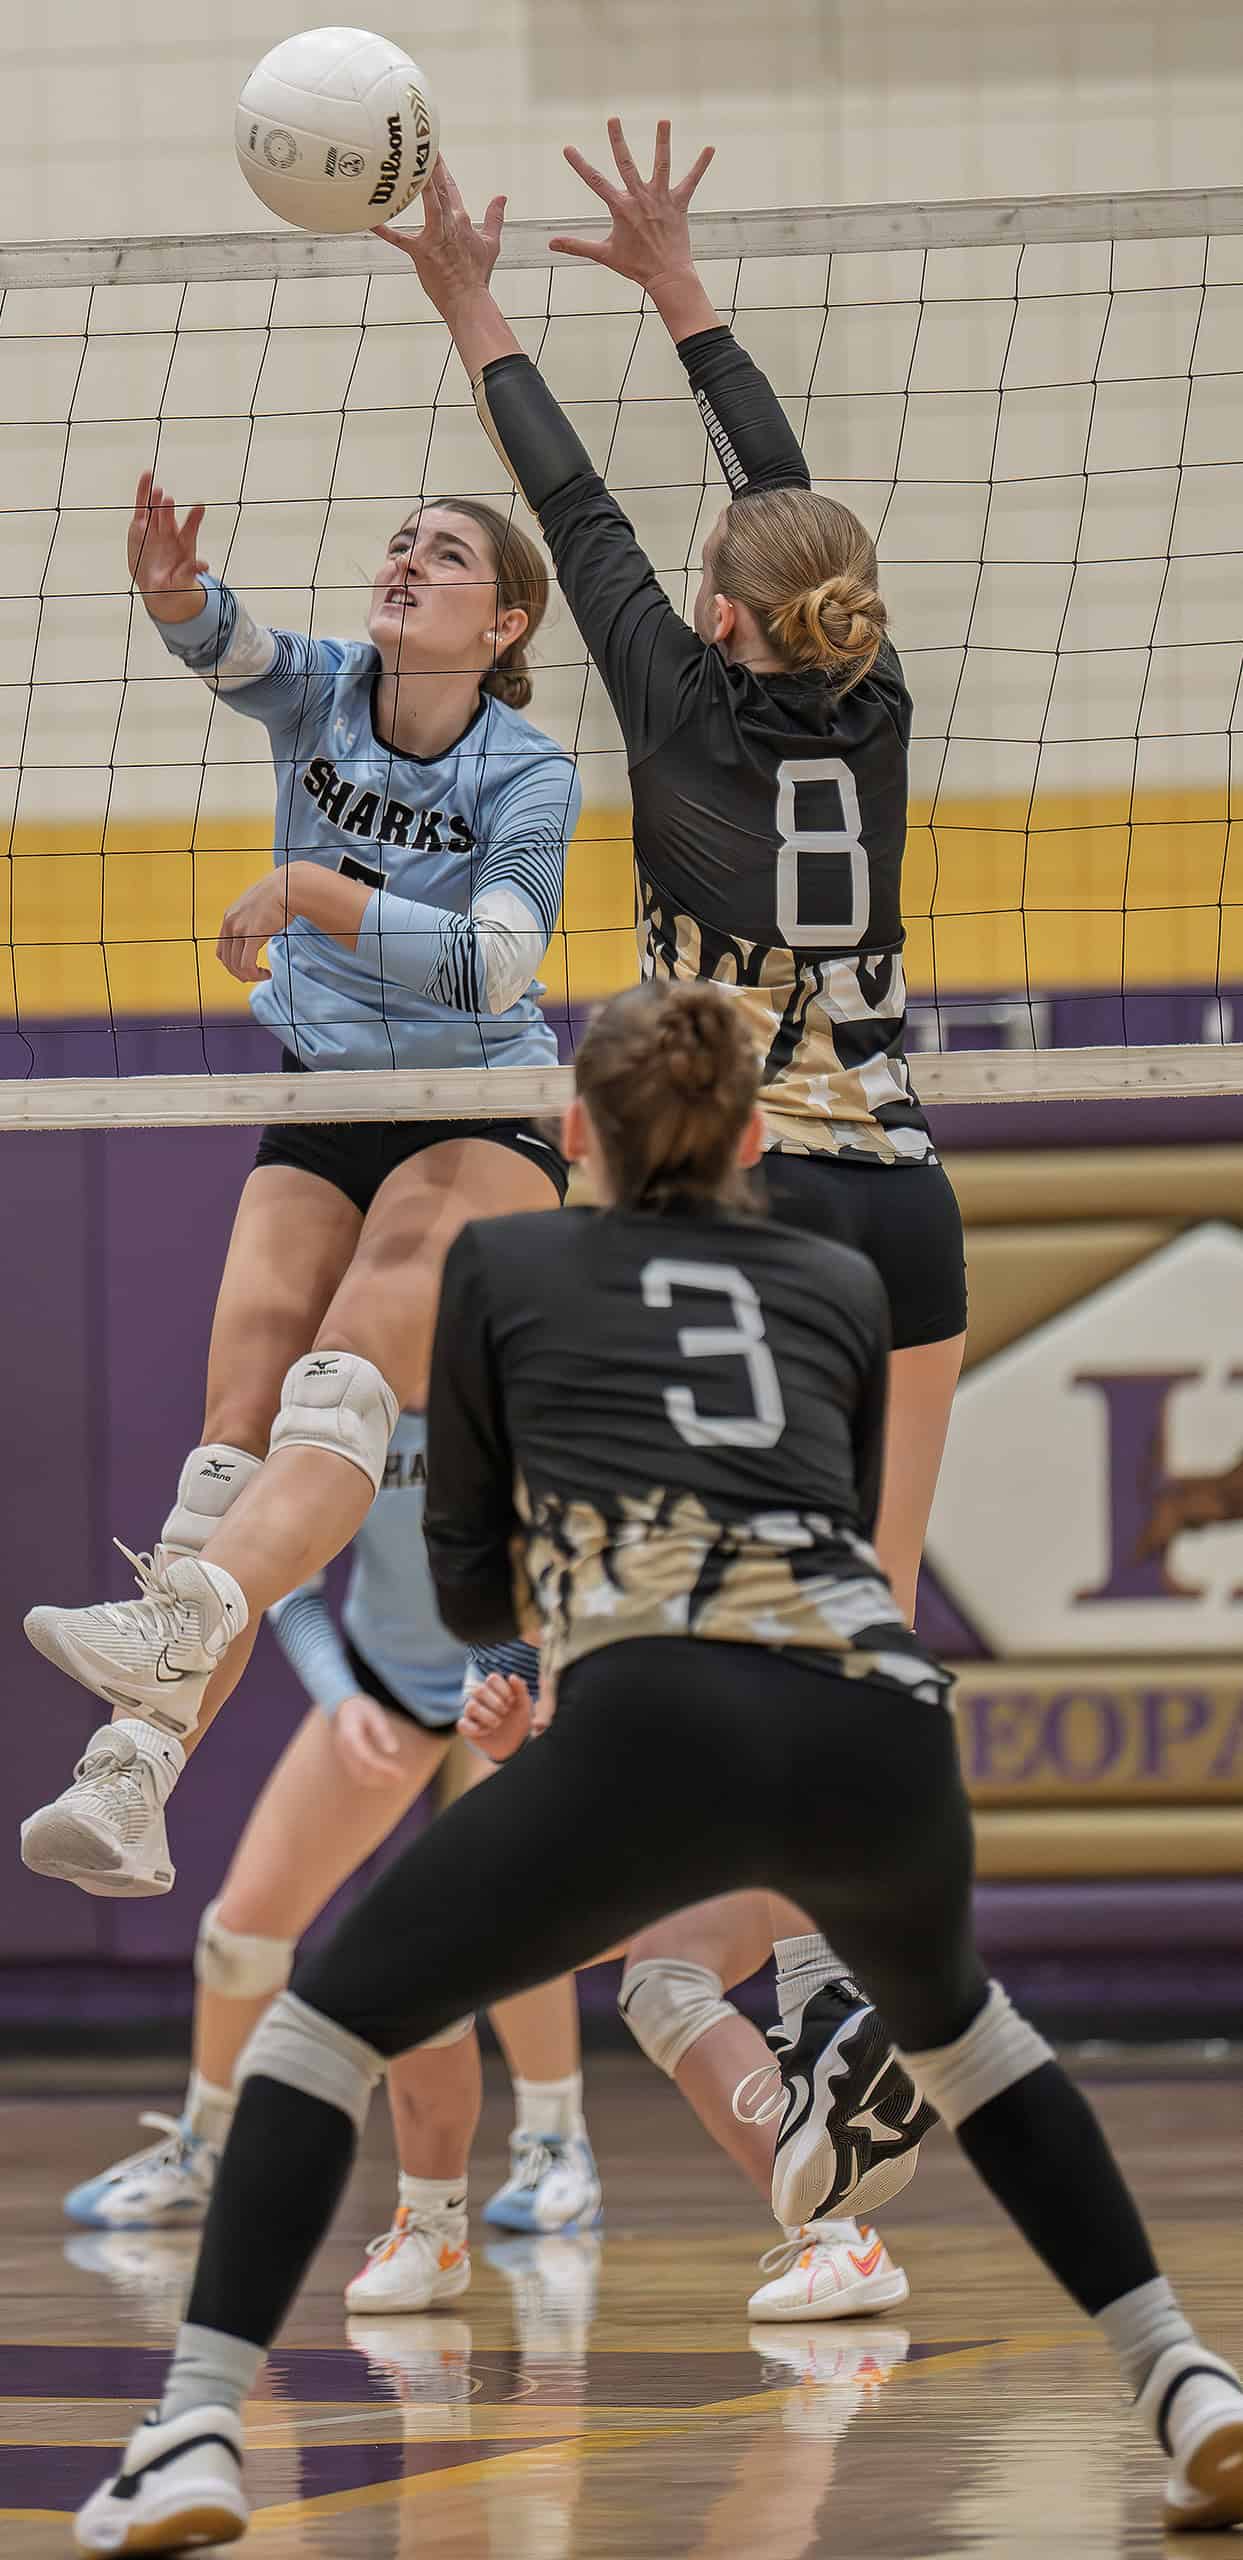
x=421, y=829
x=387, y=1689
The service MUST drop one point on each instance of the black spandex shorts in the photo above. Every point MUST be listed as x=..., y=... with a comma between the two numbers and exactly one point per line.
x=905, y=1218
x=356, y=1156
x=372, y=1686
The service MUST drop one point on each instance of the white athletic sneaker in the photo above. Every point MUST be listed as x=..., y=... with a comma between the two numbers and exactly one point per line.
x=179, y=2486
x=828, y=2271
x=834, y=2378
x=553, y=2185
x=106, y=1832
x=1205, y=2443
x=167, y=2186
x=413, y=2265
x=154, y=1655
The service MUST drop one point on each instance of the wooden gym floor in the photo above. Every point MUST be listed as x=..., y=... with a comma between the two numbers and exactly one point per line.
x=589, y=2400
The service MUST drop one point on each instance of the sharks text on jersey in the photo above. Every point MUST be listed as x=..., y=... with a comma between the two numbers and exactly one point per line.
x=367, y=812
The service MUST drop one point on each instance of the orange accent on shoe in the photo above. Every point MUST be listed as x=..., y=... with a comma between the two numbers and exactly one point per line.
x=868, y=2266
x=400, y=2219
x=449, y=2258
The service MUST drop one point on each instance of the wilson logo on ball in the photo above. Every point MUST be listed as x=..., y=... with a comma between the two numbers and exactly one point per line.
x=390, y=166
x=422, y=134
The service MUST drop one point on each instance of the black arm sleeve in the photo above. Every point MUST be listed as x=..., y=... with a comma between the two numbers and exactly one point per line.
x=646, y=654
x=747, y=427
x=469, y=1518
x=868, y=1424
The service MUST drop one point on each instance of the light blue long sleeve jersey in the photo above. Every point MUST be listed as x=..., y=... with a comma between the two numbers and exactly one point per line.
x=464, y=852
x=390, y=1613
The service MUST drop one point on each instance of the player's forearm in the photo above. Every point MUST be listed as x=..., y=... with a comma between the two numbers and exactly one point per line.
x=474, y=1594
x=683, y=303
x=749, y=431
x=479, y=330
x=480, y=963
x=328, y=899
x=304, y=1629
x=528, y=427
x=177, y=604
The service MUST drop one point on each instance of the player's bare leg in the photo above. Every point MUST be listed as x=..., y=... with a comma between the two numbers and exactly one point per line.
x=672, y=1999
x=292, y=1240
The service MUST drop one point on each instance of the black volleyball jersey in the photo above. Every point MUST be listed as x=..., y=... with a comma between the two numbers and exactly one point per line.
x=769, y=810
x=648, y=1423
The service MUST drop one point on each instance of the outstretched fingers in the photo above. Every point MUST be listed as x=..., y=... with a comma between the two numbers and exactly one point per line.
x=596, y=250
x=624, y=156
x=592, y=177
x=685, y=188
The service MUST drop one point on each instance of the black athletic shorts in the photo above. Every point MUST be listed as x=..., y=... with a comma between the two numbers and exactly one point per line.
x=372, y=1686
x=356, y=1156
x=905, y=1218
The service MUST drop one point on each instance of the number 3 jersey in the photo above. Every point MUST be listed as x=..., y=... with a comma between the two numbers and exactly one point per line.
x=769, y=810
x=662, y=1424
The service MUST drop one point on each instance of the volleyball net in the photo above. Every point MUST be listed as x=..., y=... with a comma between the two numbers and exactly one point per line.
x=1037, y=408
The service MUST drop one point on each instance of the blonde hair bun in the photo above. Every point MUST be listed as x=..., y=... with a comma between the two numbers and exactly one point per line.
x=838, y=625
x=806, y=567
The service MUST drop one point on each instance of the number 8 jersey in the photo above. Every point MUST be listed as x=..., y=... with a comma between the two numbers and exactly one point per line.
x=769, y=810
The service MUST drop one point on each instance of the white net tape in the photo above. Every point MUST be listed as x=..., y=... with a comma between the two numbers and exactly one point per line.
x=1038, y=409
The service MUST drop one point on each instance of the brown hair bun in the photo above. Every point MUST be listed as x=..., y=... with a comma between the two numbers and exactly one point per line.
x=669, y=1073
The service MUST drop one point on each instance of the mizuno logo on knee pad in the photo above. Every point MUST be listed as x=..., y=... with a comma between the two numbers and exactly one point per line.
x=338, y=1402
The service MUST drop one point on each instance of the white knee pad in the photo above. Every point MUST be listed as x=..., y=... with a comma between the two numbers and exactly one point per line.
x=210, y=1480
x=998, y=2048
x=333, y=1400
x=240, y=1967
x=669, y=2004
x=310, y=2052
x=456, y=2034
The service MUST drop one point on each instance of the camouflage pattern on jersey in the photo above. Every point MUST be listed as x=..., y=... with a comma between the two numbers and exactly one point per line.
x=830, y=1033
x=660, y=1565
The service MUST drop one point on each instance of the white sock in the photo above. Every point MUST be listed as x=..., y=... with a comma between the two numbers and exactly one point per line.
x=431, y=2199
x=209, y=2371
x=804, y=1965
x=219, y=1600
x=1141, y=2325
x=208, y=2111
x=162, y=1749
x=550, y=2106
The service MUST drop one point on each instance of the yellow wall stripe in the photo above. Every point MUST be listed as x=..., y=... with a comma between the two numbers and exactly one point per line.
x=120, y=913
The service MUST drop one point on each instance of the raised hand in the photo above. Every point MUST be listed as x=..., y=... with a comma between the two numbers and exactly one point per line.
x=453, y=257
x=163, y=555
x=651, y=236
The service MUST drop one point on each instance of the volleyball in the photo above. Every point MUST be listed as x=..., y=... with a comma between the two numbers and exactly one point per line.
x=336, y=130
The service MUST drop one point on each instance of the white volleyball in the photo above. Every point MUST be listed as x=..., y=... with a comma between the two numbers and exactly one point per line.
x=336, y=130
